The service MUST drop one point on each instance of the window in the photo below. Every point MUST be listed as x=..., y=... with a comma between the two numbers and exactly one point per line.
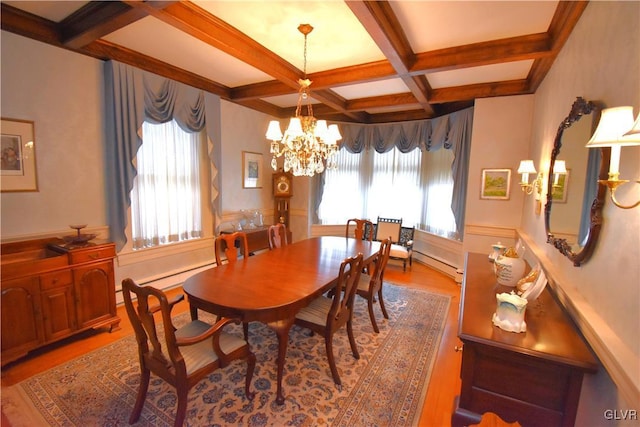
x=415, y=186
x=166, y=195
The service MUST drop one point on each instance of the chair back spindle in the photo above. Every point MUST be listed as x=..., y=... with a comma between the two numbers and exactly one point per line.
x=232, y=245
x=277, y=236
x=363, y=229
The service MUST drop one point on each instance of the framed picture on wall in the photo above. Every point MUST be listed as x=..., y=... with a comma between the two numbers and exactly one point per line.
x=561, y=188
x=496, y=184
x=252, y=170
x=18, y=156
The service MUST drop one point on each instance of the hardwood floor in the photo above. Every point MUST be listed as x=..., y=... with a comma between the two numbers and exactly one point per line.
x=443, y=387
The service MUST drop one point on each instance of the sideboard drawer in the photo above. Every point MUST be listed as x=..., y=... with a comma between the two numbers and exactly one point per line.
x=92, y=254
x=55, y=280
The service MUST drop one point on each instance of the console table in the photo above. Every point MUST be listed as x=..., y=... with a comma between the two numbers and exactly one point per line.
x=52, y=290
x=533, y=377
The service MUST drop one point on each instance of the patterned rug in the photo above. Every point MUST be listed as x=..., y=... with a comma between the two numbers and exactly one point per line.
x=385, y=387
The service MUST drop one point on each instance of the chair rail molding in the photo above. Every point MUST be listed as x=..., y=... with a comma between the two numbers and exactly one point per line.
x=490, y=231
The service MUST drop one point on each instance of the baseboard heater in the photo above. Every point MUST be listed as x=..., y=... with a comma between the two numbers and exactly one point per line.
x=167, y=281
x=437, y=263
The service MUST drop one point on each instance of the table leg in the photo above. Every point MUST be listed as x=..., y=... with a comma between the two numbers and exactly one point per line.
x=281, y=328
x=194, y=312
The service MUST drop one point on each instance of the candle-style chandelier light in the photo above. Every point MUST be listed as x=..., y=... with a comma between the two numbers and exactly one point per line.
x=308, y=145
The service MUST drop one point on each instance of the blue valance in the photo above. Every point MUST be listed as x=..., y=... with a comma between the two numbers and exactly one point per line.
x=429, y=134
x=452, y=132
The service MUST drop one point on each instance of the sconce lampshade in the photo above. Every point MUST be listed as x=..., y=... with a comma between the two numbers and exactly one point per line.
x=559, y=166
x=526, y=166
x=635, y=130
x=614, y=124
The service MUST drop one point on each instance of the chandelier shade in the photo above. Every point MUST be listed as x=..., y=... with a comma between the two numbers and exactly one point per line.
x=309, y=146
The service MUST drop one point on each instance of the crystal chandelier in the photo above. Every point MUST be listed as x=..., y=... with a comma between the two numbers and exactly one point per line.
x=308, y=145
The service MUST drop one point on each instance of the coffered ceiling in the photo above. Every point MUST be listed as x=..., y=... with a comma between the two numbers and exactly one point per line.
x=370, y=62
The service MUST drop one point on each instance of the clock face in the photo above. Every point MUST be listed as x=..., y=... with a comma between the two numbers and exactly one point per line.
x=282, y=185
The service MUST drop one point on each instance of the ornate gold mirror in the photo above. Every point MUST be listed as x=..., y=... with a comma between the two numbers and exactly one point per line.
x=573, y=213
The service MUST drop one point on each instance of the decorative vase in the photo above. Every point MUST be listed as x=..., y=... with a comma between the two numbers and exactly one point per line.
x=509, y=268
x=498, y=249
x=509, y=313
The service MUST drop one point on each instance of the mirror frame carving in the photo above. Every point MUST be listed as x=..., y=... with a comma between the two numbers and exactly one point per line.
x=579, y=108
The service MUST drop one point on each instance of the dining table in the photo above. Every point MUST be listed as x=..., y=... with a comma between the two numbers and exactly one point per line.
x=272, y=286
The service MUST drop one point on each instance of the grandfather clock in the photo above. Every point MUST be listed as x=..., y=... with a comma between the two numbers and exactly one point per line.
x=282, y=192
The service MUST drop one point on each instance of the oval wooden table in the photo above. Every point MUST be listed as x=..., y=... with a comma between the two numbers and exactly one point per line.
x=273, y=286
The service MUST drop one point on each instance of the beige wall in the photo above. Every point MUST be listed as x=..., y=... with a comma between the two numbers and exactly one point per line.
x=61, y=92
x=600, y=61
x=500, y=139
x=244, y=130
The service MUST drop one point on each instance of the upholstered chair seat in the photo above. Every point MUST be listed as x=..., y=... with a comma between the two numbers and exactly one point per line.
x=199, y=355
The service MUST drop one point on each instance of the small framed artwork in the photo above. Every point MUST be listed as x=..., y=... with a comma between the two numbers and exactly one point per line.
x=18, y=156
x=252, y=173
x=496, y=184
x=561, y=188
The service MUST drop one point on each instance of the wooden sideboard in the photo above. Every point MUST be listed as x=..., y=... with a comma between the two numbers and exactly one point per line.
x=533, y=377
x=52, y=290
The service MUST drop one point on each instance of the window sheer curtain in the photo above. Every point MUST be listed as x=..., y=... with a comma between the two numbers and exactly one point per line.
x=421, y=171
x=343, y=188
x=132, y=97
x=437, y=216
x=165, y=199
x=395, y=187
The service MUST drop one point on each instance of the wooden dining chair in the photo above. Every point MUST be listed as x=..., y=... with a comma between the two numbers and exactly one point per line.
x=326, y=315
x=363, y=230
x=232, y=245
x=180, y=356
x=277, y=236
x=370, y=285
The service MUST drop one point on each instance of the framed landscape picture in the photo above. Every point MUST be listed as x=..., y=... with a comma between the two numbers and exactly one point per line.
x=252, y=173
x=17, y=156
x=496, y=184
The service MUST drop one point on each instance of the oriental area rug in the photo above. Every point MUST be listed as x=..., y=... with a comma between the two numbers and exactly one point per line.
x=385, y=387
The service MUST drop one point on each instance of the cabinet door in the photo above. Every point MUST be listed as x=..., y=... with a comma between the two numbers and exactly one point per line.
x=58, y=308
x=21, y=317
x=95, y=293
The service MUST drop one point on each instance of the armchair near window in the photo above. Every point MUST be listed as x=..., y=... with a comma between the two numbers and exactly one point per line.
x=401, y=239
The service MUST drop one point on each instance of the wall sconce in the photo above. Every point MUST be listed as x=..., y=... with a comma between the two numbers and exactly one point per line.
x=616, y=129
x=526, y=167
x=559, y=168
